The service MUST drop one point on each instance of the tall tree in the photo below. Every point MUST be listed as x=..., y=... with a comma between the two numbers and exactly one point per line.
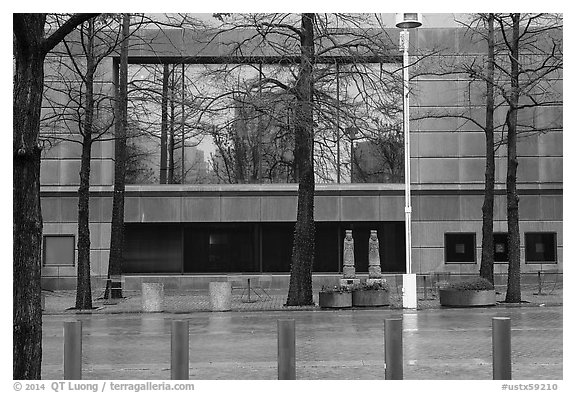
x=533, y=43
x=120, y=131
x=307, y=52
x=513, y=293
x=487, y=259
x=164, y=125
x=30, y=49
x=520, y=72
x=300, y=287
x=83, y=284
x=88, y=114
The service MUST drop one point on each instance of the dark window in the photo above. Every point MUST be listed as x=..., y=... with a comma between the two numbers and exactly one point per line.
x=500, y=247
x=220, y=248
x=59, y=250
x=540, y=247
x=152, y=248
x=253, y=247
x=460, y=247
x=277, y=247
x=326, y=251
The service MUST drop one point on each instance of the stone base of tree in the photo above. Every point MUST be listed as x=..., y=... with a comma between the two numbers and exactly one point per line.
x=370, y=298
x=335, y=299
x=454, y=298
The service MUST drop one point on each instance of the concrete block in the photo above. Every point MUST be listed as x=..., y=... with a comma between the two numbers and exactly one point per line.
x=326, y=208
x=240, y=208
x=220, y=296
x=201, y=209
x=152, y=297
x=160, y=209
x=279, y=209
x=360, y=208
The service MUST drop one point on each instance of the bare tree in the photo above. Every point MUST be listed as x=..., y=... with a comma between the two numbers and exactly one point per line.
x=31, y=45
x=487, y=259
x=534, y=49
x=302, y=58
x=518, y=72
x=87, y=113
x=120, y=131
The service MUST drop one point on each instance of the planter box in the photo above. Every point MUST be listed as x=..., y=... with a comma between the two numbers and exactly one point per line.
x=455, y=298
x=220, y=296
x=370, y=298
x=335, y=299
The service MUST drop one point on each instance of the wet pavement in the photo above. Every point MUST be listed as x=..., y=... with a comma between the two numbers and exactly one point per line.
x=439, y=344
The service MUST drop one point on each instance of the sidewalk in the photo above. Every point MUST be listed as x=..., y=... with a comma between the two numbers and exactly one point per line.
x=438, y=344
x=61, y=302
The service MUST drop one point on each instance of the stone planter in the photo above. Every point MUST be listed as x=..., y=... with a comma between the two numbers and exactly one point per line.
x=335, y=299
x=457, y=298
x=152, y=297
x=220, y=296
x=370, y=298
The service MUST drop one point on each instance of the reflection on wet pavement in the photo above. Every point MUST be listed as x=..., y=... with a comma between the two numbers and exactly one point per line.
x=438, y=344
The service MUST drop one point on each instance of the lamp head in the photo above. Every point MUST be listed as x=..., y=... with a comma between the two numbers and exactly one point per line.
x=408, y=20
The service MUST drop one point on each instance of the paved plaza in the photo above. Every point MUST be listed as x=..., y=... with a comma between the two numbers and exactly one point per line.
x=439, y=344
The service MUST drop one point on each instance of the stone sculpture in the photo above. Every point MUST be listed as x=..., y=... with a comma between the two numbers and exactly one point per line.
x=374, y=270
x=348, y=269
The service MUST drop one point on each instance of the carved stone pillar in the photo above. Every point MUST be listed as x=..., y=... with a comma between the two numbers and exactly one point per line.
x=348, y=269
x=374, y=270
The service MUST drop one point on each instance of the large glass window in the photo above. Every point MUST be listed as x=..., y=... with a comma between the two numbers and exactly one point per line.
x=253, y=247
x=59, y=250
x=218, y=123
x=460, y=247
x=540, y=247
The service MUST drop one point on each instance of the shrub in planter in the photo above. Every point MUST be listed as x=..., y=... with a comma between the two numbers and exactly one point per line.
x=468, y=293
x=373, y=294
x=335, y=297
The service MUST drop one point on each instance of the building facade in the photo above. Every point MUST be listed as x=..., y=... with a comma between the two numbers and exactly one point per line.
x=206, y=230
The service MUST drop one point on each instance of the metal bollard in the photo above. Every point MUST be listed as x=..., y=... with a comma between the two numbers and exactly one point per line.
x=286, y=349
x=73, y=350
x=393, y=349
x=501, y=348
x=179, y=350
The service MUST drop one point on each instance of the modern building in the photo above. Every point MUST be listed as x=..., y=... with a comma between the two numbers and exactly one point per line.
x=189, y=233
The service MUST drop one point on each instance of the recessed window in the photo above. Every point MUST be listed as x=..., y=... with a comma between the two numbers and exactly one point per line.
x=460, y=247
x=540, y=247
x=59, y=250
x=500, y=247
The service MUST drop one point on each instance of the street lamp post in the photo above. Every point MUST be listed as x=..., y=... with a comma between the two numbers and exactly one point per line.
x=407, y=21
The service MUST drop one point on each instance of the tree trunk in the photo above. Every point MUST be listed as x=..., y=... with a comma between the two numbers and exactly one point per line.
x=300, y=288
x=171, y=134
x=513, y=294
x=164, y=125
x=83, y=284
x=30, y=49
x=121, y=126
x=27, y=216
x=487, y=260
